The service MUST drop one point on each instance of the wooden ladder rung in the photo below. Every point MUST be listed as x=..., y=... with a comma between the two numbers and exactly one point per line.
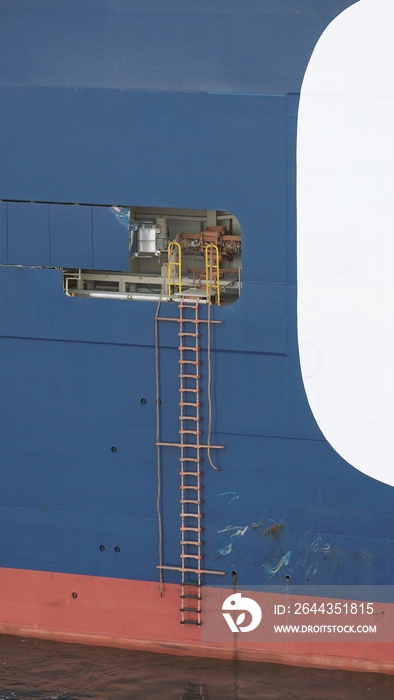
x=186, y=347
x=184, y=390
x=189, y=418
x=191, y=515
x=189, y=362
x=186, y=569
x=185, y=528
x=191, y=597
x=189, y=320
x=190, y=500
x=189, y=376
x=189, y=403
x=185, y=487
x=196, y=543
x=186, y=445
x=182, y=431
x=191, y=622
x=198, y=557
x=187, y=333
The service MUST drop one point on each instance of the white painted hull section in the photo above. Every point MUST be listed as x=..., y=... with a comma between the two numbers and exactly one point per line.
x=345, y=203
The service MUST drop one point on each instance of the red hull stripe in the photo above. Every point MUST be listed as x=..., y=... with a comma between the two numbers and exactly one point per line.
x=132, y=614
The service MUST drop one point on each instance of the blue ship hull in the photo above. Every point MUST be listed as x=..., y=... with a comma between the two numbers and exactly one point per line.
x=168, y=107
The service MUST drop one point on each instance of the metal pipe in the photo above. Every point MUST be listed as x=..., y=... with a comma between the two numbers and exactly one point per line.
x=135, y=296
x=132, y=296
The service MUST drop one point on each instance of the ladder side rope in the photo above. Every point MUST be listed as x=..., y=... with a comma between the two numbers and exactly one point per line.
x=209, y=392
x=158, y=448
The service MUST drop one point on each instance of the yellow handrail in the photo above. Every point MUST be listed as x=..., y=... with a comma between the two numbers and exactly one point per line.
x=210, y=269
x=172, y=263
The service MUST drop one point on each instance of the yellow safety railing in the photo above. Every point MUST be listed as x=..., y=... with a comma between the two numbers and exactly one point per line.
x=212, y=271
x=172, y=265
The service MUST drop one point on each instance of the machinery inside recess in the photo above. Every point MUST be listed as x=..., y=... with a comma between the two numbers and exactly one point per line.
x=172, y=252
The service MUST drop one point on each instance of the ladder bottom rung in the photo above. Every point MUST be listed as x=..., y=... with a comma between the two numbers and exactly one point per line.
x=191, y=622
